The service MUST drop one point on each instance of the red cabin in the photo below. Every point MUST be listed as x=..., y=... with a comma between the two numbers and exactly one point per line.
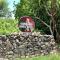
x=26, y=24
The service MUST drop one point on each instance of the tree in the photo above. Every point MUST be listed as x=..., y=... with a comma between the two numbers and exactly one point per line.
x=23, y=8
x=3, y=8
x=54, y=20
x=46, y=12
x=34, y=9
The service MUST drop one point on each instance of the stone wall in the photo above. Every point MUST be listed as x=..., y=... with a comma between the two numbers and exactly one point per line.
x=26, y=45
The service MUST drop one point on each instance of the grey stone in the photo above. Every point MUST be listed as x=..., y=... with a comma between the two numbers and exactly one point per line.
x=24, y=45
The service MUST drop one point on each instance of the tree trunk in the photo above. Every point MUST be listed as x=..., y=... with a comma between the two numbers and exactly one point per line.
x=54, y=20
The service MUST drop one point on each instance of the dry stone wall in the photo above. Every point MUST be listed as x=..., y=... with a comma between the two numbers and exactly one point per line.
x=23, y=45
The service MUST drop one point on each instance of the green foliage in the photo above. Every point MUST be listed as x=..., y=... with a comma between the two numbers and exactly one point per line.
x=58, y=16
x=37, y=8
x=8, y=26
x=3, y=8
x=23, y=8
x=33, y=8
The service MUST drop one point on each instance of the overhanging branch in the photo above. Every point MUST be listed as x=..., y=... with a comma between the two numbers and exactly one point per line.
x=43, y=22
x=45, y=25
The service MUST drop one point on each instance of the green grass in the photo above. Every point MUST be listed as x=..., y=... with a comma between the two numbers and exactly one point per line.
x=48, y=57
x=8, y=26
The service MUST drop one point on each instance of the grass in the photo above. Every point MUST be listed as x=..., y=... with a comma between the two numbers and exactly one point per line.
x=47, y=57
x=8, y=26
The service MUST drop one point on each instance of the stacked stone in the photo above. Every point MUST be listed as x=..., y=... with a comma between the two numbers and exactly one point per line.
x=33, y=44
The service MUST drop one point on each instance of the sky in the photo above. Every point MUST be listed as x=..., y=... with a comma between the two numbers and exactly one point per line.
x=10, y=4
